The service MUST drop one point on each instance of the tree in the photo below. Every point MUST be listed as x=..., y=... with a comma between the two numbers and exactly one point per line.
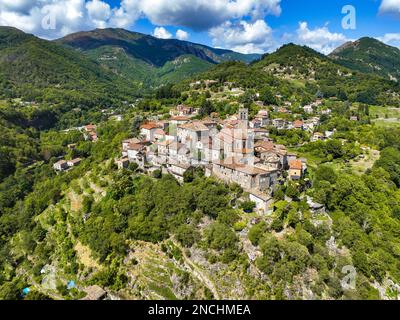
x=220, y=237
x=157, y=174
x=136, y=125
x=192, y=173
x=257, y=232
x=206, y=108
x=187, y=235
x=325, y=173
x=248, y=206
x=390, y=161
x=267, y=96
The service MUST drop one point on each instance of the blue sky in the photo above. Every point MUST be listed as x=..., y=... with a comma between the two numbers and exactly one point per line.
x=242, y=25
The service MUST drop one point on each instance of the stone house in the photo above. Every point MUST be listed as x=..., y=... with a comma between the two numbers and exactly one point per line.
x=148, y=130
x=248, y=177
x=295, y=169
x=60, y=165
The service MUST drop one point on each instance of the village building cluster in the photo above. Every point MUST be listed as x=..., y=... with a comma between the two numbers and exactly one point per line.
x=234, y=150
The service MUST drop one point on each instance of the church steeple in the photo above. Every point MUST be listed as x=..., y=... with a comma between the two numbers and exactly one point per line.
x=243, y=114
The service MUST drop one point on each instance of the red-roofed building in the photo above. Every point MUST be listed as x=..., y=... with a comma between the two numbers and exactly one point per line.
x=147, y=130
x=298, y=124
x=295, y=169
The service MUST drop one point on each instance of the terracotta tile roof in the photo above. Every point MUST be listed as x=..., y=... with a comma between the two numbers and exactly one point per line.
x=180, y=118
x=135, y=146
x=265, y=145
x=262, y=113
x=149, y=126
x=90, y=127
x=296, y=165
x=194, y=126
x=132, y=140
x=298, y=124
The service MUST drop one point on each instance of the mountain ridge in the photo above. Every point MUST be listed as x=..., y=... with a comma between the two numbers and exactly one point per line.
x=140, y=58
x=369, y=55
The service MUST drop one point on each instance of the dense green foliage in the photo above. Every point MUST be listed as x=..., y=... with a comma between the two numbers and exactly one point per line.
x=87, y=223
x=369, y=55
x=40, y=70
x=304, y=73
x=145, y=60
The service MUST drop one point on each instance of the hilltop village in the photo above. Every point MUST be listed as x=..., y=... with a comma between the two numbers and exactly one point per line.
x=234, y=150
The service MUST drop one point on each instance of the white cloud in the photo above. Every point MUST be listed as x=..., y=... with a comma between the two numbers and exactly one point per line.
x=320, y=39
x=68, y=15
x=244, y=37
x=205, y=14
x=182, y=35
x=19, y=6
x=162, y=33
x=390, y=6
x=74, y=15
x=392, y=39
x=99, y=12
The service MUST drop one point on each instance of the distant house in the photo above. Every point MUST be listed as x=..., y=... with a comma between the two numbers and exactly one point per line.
x=182, y=110
x=317, y=136
x=126, y=143
x=93, y=136
x=122, y=163
x=60, y=165
x=90, y=128
x=262, y=200
x=354, y=118
x=279, y=123
x=176, y=121
x=308, y=109
x=329, y=134
x=256, y=123
x=159, y=134
x=248, y=177
x=192, y=132
x=298, y=124
x=295, y=169
x=177, y=169
x=147, y=130
x=326, y=111
x=74, y=162
x=137, y=153
x=90, y=132
x=94, y=293
x=263, y=117
x=282, y=110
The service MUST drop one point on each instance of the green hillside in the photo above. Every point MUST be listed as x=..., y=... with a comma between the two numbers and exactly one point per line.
x=37, y=69
x=143, y=58
x=369, y=55
x=294, y=69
